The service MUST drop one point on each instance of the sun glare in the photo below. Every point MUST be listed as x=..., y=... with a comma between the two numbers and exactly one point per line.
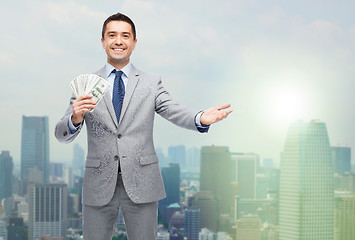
x=287, y=104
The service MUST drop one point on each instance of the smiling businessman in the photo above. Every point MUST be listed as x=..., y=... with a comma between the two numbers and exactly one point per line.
x=121, y=169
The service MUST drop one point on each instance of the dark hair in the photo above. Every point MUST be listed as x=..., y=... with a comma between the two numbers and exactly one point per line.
x=119, y=17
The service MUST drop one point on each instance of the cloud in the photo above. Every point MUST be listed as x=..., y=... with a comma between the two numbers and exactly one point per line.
x=272, y=18
x=5, y=58
x=67, y=13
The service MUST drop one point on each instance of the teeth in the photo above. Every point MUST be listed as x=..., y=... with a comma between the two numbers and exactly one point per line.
x=118, y=49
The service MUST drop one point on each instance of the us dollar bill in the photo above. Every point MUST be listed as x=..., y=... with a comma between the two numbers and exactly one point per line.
x=99, y=90
x=90, y=84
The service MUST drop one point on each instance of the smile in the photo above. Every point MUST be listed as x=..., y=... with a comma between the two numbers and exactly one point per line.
x=118, y=49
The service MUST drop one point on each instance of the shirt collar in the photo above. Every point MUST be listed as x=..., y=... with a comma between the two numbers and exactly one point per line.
x=126, y=69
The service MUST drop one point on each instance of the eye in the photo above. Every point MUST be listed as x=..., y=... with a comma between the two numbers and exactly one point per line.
x=126, y=36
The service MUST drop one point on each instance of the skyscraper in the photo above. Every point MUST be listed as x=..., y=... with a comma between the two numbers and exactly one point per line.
x=342, y=159
x=344, y=220
x=306, y=184
x=249, y=228
x=56, y=170
x=206, y=202
x=3, y=231
x=78, y=160
x=193, y=158
x=6, y=171
x=47, y=210
x=215, y=175
x=245, y=173
x=171, y=177
x=192, y=223
x=16, y=228
x=177, y=154
x=34, y=146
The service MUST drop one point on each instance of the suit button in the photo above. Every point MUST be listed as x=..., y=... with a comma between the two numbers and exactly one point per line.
x=119, y=136
x=116, y=158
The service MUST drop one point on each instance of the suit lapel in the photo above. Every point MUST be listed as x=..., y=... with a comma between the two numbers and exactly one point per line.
x=107, y=98
x=131, y=85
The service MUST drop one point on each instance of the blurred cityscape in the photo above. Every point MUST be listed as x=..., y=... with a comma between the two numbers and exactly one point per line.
x=212, y=193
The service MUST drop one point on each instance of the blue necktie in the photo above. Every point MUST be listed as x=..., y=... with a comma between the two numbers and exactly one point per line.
x=118, y=93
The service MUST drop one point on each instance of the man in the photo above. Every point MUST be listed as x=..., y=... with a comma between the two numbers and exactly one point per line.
x=121, y=168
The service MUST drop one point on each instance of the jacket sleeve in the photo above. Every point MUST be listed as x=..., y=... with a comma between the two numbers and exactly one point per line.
x=62, y=131
x=171, y=110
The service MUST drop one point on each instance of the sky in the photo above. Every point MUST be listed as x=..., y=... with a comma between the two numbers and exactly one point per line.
x=275, y=61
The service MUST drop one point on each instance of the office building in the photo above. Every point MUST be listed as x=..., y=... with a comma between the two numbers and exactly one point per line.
x=249, y=227
x=215, y=175
x=69, y=177
x=306, y=184
x=16, y=228
x=223, y=236
x=78, y=160
x=268, y=163
x=47, y=210
x=170, y=210
x=163, y=236
x=177, y=221
x=6, y=172
x=207, y=204
x=56, y=169
x=244, y=167
x=341, y=157
x=344, y=218
x=171, y=178
x=269, y=232
x=34, y=146
x=3, y=230
x=193, y=156
x=344, y=182
x=192, y=223
x=206, y=234
x=163, y=160
x=177, y=155
x=266, y=209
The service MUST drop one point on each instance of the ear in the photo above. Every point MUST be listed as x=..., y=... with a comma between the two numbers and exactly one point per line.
x=103, y=43
x=134, y=44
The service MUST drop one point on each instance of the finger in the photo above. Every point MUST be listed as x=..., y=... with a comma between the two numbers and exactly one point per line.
x=85, y=96
x=83, y=109
x=86, y=106
x=229, y=111
x=224, y=106
x=85, y=101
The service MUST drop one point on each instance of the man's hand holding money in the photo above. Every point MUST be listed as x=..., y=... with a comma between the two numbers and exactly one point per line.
x=89, y=89
x=82, y=105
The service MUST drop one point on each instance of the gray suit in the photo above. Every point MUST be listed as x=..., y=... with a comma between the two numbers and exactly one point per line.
x=128, y=144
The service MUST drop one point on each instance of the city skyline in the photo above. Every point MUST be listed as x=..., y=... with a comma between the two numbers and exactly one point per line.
x=274, y=62
x=310, y=198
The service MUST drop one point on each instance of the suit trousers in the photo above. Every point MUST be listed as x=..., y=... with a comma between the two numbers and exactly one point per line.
x=141, y=220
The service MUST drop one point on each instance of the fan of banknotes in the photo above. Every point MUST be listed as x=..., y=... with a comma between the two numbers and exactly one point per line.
x=90, y=84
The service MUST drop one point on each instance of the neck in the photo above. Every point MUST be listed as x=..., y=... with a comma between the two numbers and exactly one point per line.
x=118, y=65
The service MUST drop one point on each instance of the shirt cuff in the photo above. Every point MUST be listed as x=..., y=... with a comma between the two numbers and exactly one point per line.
x=71, y=126
x=201, y=127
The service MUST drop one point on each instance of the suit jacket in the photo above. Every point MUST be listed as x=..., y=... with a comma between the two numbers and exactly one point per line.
x=129, y=143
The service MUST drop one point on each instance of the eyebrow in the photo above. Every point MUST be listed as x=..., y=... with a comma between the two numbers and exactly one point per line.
x=110, y=32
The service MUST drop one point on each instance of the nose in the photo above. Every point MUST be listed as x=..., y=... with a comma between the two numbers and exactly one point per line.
x=118, y=40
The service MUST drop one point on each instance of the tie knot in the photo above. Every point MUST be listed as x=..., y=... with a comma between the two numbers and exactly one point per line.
x=118, y=73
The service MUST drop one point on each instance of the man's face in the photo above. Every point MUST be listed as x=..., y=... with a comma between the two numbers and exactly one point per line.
x=118, y=43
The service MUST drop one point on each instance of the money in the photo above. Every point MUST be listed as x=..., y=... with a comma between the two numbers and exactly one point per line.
x=90, y=84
